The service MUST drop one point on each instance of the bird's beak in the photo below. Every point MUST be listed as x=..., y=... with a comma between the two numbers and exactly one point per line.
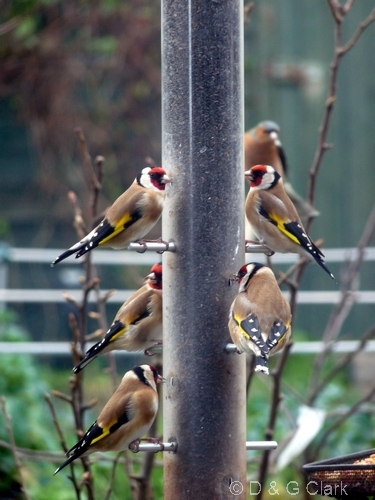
x=166, y=179
x=150, y=277
x=160, y=379
x=274, y=136
x=233, y=278
x=249, y=175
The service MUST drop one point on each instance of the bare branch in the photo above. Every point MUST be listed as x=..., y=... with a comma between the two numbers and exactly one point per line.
x=334, y=6
x=357, y=34
x=350, y=411
x=341, y=310
x=8, y=426
x=99, y=161
x=342, y=364
x=247, y=10
x=275, y=402
x=90, y=404
x=250, y=373
x=69, y=298
x=347, y=6
x=112, y=477
x=79, y=223
x=87, y=162
x=64, y=446
x=62, y=396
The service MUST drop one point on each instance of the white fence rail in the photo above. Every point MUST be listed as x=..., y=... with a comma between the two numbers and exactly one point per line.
x=109, y=257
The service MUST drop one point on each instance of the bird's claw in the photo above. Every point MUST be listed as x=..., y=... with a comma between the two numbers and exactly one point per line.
x=143, y=246
x=232, y=278
x=253, y=242
x=160, y=240
x=149, y=350
x=134, y=446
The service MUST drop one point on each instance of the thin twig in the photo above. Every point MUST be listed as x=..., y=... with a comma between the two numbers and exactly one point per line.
x=334, y=6
x=357, y=34
x=330, y=101
x=102, y=319
x=275, y=402
x=128, y=466
x=8, y=426
x=112, y=477
x=250, y=362
x=144, y=478
x=57, y=456
x=350, y=411
x=345, y=361
x=79, y=223
x=87, y=162
x=341, y=310
x=246, y=12
x=64, y=446
x=62, y=396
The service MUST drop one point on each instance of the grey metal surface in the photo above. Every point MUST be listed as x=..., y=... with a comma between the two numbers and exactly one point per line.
x=204, y=394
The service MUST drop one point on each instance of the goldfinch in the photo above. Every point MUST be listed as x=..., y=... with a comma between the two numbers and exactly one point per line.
x=259, y=317
x=274, y=218
x=263, y=146
x=131, y=216
x=126, y=417
x=138, y=322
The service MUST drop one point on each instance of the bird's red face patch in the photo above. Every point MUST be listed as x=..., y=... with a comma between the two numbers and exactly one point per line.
x=157, y=177
x=156, y=277
x=256, y=175
x=241, y=273
x=158, y=378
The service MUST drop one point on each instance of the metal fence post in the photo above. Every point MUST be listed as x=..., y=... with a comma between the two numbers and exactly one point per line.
x=205, y=402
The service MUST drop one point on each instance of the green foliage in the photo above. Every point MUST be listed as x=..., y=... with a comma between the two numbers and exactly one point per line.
x=23, y=382
x=105, y=45
x=351, y=435
x=21, y=385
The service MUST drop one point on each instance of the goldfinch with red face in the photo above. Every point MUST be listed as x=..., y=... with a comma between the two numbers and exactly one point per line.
x=260, y=317
x=131, y=216
x=138, y=322
x=274, y=218
x=263, y=146
x=126, y=417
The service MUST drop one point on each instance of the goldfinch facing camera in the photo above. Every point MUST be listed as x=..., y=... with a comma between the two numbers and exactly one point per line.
x=259, y=317
x=131, y=216
x=274, y=218
x=263, y=146
x=138, y=322
x=126, y=417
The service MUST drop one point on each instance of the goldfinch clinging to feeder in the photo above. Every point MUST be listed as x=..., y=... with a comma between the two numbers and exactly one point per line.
x=126, y=417
x=131, y=216
x=138, y=322
x=263, y=146
x=274, y=218
x=259, y=317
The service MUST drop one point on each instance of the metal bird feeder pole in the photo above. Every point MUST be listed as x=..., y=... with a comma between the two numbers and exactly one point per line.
x=204, y=393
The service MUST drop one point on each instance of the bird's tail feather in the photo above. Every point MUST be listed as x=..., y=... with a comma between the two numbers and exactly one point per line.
x=77, y=248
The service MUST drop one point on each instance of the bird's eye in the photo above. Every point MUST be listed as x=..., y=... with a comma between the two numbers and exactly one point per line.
x=240, y=275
